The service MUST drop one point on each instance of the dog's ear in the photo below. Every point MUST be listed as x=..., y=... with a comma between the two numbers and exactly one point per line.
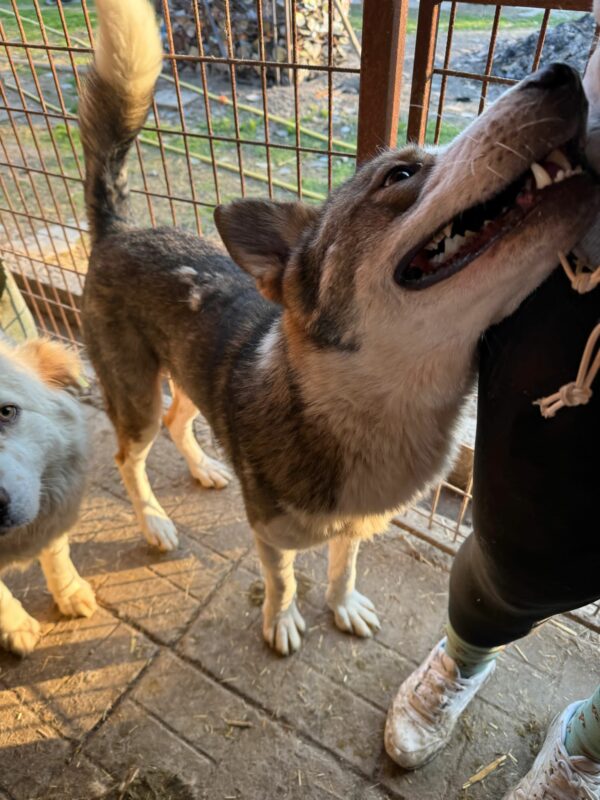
x=260, y=235
x=55, y=365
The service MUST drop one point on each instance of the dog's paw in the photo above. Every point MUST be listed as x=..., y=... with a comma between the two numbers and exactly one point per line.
x=211, y=473
x=283, y=631
x=78, y=601
x=355, y=613
x=160, y=532
x=22, y=635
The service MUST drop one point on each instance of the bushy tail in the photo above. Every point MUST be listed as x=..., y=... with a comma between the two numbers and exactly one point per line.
x=114, y=104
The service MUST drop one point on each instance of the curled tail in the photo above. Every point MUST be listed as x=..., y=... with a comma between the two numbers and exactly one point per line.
x=114, y=104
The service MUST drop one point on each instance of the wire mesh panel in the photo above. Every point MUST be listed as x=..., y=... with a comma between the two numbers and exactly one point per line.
x=275, y=116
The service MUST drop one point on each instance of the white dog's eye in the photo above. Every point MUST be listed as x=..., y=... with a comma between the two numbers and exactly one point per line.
x=400, y=172
x=8, y=414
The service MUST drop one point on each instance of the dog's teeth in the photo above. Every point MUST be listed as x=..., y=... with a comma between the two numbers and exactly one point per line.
x=542, y=179
x=560, y=176
x=453, y=245
x=438, y=238
x=559, y=158
x=577, y=171
x=469, y=234
x=448, y=230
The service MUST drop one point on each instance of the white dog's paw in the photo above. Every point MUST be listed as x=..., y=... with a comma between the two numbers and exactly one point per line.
x=78, y=600
x=283, y=631
x=212, y=474
x=355, y=613
x=160, y=532
x=22, y=635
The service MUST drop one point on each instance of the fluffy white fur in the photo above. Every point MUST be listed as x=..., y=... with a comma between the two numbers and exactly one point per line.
x=42, y=474
x=129, y=53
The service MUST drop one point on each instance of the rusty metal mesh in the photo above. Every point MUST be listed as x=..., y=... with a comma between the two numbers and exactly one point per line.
x=221, y=127
x=237, y=123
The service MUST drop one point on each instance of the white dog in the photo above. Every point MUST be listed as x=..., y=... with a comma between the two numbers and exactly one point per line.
x=42, y=474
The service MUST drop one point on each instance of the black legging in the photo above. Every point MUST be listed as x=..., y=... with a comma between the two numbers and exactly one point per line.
x=536, y=495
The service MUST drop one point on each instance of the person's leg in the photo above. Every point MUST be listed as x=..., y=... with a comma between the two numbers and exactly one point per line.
x=568, y=765
x=497, y=595
x=583, y=729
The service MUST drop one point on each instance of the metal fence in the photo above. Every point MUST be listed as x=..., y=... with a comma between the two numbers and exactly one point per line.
x=231, y=125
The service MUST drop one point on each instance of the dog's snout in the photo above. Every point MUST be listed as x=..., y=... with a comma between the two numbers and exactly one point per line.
x=4, y=503
x=554, y=76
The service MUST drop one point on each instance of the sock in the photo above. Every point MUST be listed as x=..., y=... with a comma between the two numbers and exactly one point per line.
x=469, y=658
x=583, y=729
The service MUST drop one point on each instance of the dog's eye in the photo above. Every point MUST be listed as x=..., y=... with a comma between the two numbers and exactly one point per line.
x=8, y=414
x=401, y=172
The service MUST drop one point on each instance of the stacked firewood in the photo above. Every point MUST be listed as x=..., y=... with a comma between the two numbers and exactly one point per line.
x=312, y=25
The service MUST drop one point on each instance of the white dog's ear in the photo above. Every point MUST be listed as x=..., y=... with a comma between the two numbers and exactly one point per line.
x=260, y=236
x=55, y=364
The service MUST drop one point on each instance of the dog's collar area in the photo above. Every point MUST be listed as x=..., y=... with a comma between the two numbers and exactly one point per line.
x=474, y=230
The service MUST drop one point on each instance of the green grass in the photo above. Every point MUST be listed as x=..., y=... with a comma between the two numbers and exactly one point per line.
x=73, y=15
x=477, y=18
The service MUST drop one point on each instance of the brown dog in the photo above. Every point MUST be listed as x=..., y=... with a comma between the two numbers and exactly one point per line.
x=335, y=387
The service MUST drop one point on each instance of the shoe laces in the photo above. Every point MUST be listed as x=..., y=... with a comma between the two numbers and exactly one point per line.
x=559, y=778
x=434, y=691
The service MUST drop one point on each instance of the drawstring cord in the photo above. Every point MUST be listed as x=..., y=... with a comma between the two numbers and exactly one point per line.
x=579, y=391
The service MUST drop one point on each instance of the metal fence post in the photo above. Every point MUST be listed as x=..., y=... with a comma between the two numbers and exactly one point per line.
x=383, y=41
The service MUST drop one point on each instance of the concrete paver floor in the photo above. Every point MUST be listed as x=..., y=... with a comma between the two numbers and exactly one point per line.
x=169, y=692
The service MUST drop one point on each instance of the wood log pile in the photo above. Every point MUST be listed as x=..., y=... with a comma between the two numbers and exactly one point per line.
x=311, y=22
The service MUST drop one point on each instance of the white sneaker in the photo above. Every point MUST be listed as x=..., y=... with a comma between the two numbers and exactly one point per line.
x=555, y=775
x=428, y=704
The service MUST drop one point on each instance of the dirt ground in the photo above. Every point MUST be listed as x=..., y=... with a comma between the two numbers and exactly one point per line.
x=169, y=693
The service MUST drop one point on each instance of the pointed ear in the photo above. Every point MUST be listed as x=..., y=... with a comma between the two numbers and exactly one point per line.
x=260, y=235
x=55, y=365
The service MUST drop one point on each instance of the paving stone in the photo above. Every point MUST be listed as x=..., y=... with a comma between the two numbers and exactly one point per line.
x=35, y=762
x=515, y=684
x=493, y=734
x=231, y=540
x=150, y=602
x=363, y=666
x=131, y=739
x=290, y=688
x=78, y=672
x=279, y=764
x=194, y=569
x=196, y=707
x=410, y=597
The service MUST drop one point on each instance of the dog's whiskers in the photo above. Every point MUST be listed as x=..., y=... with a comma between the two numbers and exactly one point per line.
x=512, y=150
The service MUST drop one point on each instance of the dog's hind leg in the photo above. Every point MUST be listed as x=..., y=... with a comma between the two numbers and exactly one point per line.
x=283, y=624
x=73, y=595
x=353, y=612
x=19, y=632
x=179, y=420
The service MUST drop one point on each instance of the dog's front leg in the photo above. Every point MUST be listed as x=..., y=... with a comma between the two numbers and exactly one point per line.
x=19, y=632
x=353, y=612
x=283, y=624
x=73, y=595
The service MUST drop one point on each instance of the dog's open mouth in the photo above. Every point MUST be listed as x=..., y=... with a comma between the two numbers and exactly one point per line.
x=474, y=230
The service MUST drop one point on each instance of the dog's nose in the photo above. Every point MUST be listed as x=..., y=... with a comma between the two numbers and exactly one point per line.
x=554, y=76
x=4, y=503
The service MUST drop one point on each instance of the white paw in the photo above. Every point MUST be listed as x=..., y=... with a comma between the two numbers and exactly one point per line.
x=22, y=635
x=355, y=613
x=160, y=532
x=211, y=473
x=283, y=631
x=77, y=601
